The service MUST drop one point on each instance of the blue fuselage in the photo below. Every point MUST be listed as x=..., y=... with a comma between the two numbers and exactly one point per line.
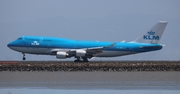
x=45, y=45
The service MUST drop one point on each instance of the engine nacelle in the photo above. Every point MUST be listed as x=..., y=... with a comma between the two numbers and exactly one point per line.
x=80, y=53
x=61, y=55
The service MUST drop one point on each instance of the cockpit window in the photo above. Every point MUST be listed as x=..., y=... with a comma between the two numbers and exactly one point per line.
x=19, y=39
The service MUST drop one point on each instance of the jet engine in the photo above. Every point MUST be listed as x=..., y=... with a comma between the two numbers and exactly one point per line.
x=80, y=53
x=61, y=55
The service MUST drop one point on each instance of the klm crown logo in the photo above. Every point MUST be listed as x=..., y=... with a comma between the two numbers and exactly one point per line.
x=151, y=33
x=151, y=36
x=35, y=43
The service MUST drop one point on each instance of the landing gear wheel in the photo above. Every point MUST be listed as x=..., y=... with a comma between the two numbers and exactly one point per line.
x=24, y=58
x=77, y=60
x=85, y=59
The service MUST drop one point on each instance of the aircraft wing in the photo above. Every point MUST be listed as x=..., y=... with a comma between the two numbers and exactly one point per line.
x=93, y=50
x=96, y=50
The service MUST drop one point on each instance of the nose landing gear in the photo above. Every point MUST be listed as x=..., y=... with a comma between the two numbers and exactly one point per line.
x=24, y=58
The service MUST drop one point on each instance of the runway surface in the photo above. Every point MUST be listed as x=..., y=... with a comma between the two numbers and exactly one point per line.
x=99, y=80
x=91, y=80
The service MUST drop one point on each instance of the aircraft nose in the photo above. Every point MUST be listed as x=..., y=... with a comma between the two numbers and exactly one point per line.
x=11, y=44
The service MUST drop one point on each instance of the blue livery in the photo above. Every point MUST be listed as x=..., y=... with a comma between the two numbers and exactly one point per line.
x=83, y=50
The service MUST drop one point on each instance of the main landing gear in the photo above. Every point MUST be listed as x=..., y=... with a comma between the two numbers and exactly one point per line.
x=24, y=58
x=78, y=59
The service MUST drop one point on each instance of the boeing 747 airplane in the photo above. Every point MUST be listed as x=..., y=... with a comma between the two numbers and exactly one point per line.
x=83, y=50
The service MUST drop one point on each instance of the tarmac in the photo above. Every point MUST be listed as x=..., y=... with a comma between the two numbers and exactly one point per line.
x=90, y=80
x=107, y=66
x=106, y=77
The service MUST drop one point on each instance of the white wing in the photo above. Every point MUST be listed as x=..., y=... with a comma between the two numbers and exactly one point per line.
x=93, y=50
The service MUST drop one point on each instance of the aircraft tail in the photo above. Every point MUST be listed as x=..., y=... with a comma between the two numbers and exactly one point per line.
x=154, y=34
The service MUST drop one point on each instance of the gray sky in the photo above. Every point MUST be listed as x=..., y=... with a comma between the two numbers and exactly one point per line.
x=102, y=20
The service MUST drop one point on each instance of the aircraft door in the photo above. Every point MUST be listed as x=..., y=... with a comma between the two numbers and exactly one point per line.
x=41, y=39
